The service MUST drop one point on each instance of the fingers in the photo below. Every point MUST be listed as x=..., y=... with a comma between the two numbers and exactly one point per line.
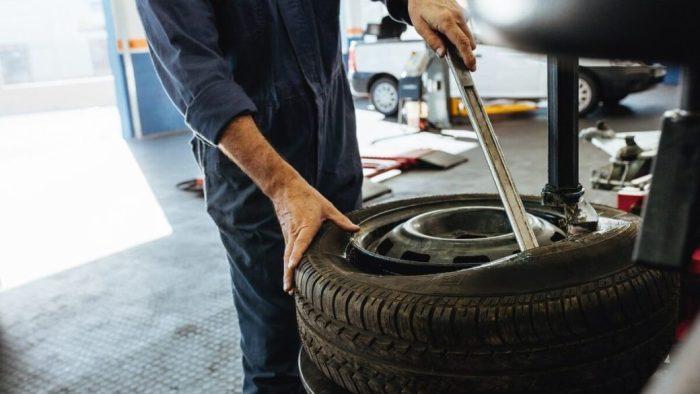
x=288, y=280
x=343, y=222
x=289, y=240
x=301, y=243
x=461, y=41
x=431, y=38
x=465, y=28
x=306, y=235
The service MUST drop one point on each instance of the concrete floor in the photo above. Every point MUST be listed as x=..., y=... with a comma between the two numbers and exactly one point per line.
x=157, y=316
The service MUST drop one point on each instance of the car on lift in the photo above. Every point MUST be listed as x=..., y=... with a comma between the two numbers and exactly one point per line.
x=375, y=67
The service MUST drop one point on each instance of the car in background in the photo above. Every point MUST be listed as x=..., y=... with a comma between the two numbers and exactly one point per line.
x=376, y=66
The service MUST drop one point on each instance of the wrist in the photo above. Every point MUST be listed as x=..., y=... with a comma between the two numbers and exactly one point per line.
x=284, y=181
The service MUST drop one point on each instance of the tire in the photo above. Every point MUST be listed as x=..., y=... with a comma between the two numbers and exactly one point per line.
x=384, y=95
x=613, y=101
x=574, y=316
x=588, y=94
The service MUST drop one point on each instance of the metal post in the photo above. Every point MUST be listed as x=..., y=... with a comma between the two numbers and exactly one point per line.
x=562, y=98
x=563, y=188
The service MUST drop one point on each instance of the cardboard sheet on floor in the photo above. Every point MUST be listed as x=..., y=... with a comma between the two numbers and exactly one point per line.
x=401, y=143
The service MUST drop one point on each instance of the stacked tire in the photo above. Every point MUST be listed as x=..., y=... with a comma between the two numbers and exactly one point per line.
x=574, y=316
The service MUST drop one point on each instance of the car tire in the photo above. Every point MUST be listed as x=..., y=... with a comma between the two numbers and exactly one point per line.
x=613, y=101
x=574, y=316
x=588, y=94
x=384, y=95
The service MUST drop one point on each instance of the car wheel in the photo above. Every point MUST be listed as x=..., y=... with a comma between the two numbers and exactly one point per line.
x=613, y=101
x=574, y=315
x=384, y=95
x=588, y=94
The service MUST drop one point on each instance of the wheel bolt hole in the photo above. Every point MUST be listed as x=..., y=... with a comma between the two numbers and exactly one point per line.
x=385, y=246
x=413, y=256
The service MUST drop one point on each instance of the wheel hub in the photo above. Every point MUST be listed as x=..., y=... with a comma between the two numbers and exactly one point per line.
x=584, y=94
x=385, y=97
x=414, y=240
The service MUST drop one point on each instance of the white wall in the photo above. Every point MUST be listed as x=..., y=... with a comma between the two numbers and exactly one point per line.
x=62, y=70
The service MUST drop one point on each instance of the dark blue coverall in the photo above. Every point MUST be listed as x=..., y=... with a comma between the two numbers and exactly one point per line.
x=279, y=60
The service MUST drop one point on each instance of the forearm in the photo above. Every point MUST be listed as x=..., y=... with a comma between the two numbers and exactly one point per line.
x=300, y=208
x=243, y=143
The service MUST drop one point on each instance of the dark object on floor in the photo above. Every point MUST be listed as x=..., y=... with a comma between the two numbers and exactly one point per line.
x=574, y=315
x=372, y=190
x=440, y=160
x=195, y=185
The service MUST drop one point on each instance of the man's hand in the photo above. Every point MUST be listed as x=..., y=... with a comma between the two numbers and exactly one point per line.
x=436, y=19
x=301, y=210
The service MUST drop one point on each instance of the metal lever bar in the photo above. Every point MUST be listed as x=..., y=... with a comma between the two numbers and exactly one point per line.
x=492, y=150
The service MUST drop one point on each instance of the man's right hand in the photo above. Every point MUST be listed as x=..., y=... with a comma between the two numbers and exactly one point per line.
x=301, y=211
x=300, y=208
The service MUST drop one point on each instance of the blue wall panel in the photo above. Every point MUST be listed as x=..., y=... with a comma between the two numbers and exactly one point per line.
x=117, y=67
x=158, y=114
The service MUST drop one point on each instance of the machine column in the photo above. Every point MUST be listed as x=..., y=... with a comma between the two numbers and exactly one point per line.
x=563, y=186
x=563, y=189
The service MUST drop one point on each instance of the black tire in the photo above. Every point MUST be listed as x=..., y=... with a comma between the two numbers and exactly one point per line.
x=593, y=90
x=613, y=101
x=389, y=84
x=574, y=316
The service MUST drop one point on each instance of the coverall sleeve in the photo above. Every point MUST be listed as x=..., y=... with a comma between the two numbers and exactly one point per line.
x=183, y=39
x=398, y=9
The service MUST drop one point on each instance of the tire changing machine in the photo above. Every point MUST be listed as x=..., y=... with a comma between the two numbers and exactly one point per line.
x=563, y=189
x=671, y=229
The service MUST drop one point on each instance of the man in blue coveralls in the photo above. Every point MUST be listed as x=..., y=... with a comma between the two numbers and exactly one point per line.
x=262, y=85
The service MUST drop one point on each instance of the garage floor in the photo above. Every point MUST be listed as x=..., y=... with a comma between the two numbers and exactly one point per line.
x=156, y=315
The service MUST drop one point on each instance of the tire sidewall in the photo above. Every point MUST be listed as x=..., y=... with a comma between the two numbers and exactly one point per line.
x=576, y=260
x=594, y=92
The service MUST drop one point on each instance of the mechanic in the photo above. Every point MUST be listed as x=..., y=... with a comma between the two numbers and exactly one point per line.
x=262, y=85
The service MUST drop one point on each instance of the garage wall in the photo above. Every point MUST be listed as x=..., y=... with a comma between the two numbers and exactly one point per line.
x=53, y=56
x=144, y=108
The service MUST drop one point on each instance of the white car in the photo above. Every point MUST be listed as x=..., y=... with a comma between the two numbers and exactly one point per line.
x=375, y=68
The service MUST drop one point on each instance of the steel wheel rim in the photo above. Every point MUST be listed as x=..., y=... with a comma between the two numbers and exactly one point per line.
x=385, y=97
x=585, y=94
x=392, y=242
